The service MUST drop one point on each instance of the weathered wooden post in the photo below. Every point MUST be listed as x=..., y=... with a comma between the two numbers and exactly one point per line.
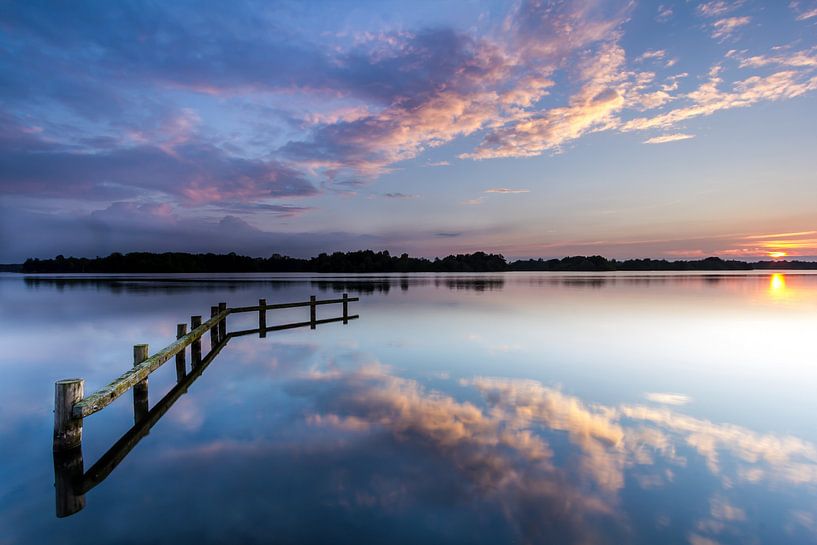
x=195, y=346
x=69, y=469
x=181, y=364
x=312, y=312
x=140, y=389
x=214, y=329
x=67, y=429
x=345, y=308
x=222, y=324
x=262, y=318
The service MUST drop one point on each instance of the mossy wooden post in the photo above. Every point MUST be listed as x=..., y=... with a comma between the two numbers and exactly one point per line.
x=214, y=329
x=140, y=389
x=345, y=308
x=222, y=324
x=262, y=318
x=181, y=364
x=195, y=346
x=313, y=312
x=67, y=429
x=69, y=469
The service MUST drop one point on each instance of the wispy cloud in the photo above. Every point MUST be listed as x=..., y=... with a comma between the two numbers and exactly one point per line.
x=724, y=28
x=717, y=8
x=664, y=138
x=810, y=14
x=710, y=98
x=667, y=398
x=803, y=13
x=652, y=54
x=796, y=59
x=664, y=13
x=506, y=190
x=591, y=109
x=400, y=196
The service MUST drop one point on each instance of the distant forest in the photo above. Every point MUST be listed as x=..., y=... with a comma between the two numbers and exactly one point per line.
x=368, y=261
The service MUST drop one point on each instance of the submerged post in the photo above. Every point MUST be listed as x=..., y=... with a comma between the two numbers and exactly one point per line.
x=345, y=308
x=214, y=329
x=195, y=346
x=262, y=318
x=312, y=312
x=140, y=389
x=222, y=324
x=181, y=364
x=67, y=429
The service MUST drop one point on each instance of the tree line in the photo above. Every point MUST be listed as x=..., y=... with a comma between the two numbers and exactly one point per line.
x=368, y=261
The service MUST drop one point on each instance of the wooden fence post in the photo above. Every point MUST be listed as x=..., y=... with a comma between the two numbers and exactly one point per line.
x=262, y=318
x=214, y=329
x=345, y=308
x=181, y=364
x=312, y=312
x=195, y=346
x=67, y=429
x=140, y=389
x=222, y=324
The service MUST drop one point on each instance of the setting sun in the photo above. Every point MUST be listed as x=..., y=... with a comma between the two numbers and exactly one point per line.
x=775, y=255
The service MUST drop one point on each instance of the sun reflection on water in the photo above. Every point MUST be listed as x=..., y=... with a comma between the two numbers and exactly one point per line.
x=777, y=286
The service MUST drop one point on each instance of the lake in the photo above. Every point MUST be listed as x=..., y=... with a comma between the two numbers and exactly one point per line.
x=485, y=408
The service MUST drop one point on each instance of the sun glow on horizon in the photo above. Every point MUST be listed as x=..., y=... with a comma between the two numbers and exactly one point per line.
x=776, y=255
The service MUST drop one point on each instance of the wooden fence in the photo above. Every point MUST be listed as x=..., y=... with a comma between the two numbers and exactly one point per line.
x=71, y=406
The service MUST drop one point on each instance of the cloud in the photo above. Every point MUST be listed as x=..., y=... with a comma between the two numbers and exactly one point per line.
x=664, y=13
x=506, y=191
x=400, y=196
x=717, y=8
x=810, y=14
x=797, y=59
x=265, y=209
x=591, y=109
x=668, y=399
x=472, y=84
x=194, y=172
x=160, y=227
x=723, y=28
x=664, y=138
x=709, y=98
x=652, y=54
x=803, y=13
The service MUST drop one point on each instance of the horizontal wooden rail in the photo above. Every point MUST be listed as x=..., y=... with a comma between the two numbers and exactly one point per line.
x=256, y=331
x=114, y=455
x=105, y=396
x=292, y=305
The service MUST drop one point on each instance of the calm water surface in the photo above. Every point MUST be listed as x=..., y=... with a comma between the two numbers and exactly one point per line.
x=517, y=408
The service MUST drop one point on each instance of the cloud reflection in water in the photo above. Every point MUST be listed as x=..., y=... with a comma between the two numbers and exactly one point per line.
x=509, y=447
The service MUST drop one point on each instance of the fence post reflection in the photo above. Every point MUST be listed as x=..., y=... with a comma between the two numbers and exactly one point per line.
x=68, y=473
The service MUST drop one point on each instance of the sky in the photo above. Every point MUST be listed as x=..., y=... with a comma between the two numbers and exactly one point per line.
x=623, y=128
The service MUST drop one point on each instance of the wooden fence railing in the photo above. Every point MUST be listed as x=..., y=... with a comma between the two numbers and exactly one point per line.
x=71, y=406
